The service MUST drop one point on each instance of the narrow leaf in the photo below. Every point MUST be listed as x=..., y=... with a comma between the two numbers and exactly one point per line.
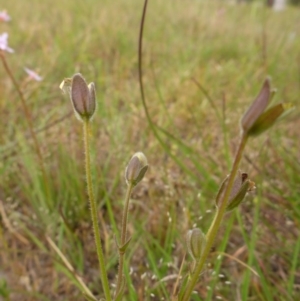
x=123, y=248
x=183, y=287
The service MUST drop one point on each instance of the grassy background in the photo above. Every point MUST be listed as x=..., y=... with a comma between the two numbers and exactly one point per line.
x=227, y=50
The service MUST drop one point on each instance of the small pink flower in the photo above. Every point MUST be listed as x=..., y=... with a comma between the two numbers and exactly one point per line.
x=3, y=43
x=4, y=16
x=33, y=75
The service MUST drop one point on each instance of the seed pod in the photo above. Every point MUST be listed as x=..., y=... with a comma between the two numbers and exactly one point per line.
x=136, y=168
x=195, y=241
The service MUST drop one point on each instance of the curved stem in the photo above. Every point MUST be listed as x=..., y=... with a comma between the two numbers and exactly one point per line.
x=152, y=125
x=123, y=236
x=103, y=274
x=212, y=232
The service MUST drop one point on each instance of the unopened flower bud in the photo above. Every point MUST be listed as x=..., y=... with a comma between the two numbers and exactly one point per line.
x=136, y=168
x=83, y=96
x=257, y=119
x=195, y=241
x=257, y=107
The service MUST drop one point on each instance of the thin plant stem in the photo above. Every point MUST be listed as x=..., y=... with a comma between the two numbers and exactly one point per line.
x=212, y=232
x=152, y=125
x=123, y=237
x=28, y=117
x=103, y=273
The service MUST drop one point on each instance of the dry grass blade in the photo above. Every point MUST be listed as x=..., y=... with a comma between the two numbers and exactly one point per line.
x=10, y=227
x=240, y=262
x=70, y=268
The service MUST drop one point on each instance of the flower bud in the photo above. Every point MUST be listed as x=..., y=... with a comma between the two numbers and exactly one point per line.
x=257, y=107
x=136, y=168
x=195, y=241
x=83, y=96
x=257, y=119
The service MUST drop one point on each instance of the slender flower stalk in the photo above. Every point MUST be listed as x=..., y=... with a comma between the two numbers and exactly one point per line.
x=134, y=173
x=103, y=273
x=212, y=232
x=83, y=99
x=123, y=238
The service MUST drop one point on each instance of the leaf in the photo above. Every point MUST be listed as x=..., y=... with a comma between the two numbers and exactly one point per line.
x=123, y=248
x=183, y=287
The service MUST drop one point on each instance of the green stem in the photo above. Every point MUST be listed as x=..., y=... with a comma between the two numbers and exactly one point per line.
x=103, y=274
x=212, y=232
x=123, y=236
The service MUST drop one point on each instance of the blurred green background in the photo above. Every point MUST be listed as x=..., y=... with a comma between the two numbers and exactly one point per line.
x=204, y=63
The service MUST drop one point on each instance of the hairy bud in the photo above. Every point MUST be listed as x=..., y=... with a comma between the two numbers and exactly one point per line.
x=136, y=168
x=83, y=96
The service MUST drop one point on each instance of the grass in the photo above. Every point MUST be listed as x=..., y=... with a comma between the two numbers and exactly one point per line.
x=228, y=50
